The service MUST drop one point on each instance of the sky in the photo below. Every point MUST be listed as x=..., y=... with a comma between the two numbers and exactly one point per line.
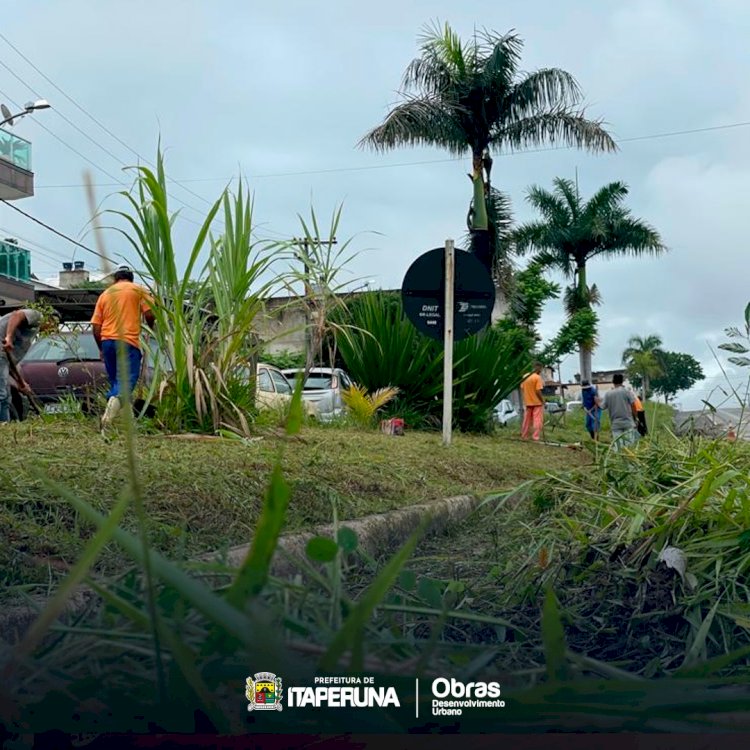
x=282, y=93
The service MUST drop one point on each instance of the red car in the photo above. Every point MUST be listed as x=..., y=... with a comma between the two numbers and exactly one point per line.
x=60, y=368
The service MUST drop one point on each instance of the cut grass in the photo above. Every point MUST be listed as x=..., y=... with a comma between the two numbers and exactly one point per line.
x=203, y=495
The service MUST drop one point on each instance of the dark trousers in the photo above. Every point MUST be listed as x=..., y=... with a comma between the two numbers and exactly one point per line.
x=641, y=423
x=133, y=358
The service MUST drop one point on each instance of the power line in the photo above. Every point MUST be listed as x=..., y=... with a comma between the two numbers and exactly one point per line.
x=368, y=167
x=95, y=120
x=39, y=249
x=58, y=232
x=118, y=182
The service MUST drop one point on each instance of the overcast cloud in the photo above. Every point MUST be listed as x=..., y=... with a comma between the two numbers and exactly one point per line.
x=291, y=88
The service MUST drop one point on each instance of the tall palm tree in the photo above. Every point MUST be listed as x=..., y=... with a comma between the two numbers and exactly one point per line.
x=471, y=96
x=642, y=356
x=571, y=232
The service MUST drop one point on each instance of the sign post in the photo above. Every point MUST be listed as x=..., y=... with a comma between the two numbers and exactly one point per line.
x=450, y=285
x=448, y=295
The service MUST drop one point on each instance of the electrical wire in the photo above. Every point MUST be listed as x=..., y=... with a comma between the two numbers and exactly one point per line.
x=118, y=182
x=93, y=119
x=58, y=232
x=46, y=252
x=368, y=167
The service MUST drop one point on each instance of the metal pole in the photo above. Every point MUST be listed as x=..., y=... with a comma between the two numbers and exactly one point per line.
x=450, y=269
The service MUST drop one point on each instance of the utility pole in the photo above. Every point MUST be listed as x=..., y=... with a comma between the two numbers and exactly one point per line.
x=308, y=295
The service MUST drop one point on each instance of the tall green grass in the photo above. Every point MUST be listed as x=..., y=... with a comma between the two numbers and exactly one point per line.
x=205, y=308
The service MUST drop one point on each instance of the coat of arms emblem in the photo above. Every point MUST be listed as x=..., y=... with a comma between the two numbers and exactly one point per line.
x=264, y=692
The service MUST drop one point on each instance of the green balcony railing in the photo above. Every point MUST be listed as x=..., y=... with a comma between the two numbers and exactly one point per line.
x=15, y=261
x=15, y=150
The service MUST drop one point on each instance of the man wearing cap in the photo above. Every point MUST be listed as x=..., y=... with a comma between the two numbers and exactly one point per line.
x=17, y=331
x=117, y=327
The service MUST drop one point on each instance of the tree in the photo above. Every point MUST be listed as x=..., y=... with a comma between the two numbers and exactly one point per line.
x=643, y=358
x=529, y=292
x=471, y=96
x=572, y=232
x=680, y=372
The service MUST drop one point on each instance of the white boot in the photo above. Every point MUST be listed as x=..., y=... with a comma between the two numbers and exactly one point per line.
x=111, y=412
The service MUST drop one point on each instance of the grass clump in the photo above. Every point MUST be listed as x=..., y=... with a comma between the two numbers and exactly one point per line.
x=647, y=551
x=206, y=493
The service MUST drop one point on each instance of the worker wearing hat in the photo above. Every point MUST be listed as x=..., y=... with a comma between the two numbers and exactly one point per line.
x=116, y=323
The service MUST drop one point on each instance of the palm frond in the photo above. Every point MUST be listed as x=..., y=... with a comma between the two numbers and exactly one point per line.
x=500, y=63
x=574, y=299
x=624, y=235
x=569, y=192
x=605, y=201
x=551, y=206
x=418, y=122
x=560, y=126
x=545, y=89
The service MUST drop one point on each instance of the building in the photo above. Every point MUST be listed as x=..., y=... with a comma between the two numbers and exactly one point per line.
x=16, y=177
x=602, y=379
x=16, y=182
x=16, y=284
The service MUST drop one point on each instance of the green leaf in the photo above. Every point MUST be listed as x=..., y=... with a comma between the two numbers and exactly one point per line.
x=431, y=591
x=712, y=666
x=735, y=347
x=322, y=549
x=553, y=638
x=296, y=413
x=87, y=559
x=347, y=539
x=352, y=634
x=203, y=599
x=747, y=315
x=253, y=573
x=699, y=644
x=407, y=580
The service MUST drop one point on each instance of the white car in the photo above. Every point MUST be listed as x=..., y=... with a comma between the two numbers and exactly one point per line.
x=505, y=412
x=323, y=389
x=574, y=405
x=273, y=390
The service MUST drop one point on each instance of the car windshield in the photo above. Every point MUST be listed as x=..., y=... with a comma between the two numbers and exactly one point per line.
x=63, y=346
x=317, y=382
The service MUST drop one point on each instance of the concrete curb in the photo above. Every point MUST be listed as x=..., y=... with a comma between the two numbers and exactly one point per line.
x=377, y=534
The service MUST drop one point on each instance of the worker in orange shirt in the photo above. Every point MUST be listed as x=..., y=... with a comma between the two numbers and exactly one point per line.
x=533, y=403
x=117, y=327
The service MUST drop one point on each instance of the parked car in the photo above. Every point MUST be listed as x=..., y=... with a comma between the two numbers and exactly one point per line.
x=323, y=389
x=63, y=368
x=574, y=405
x=58, y=367
x=504, y=412
x=274, y=391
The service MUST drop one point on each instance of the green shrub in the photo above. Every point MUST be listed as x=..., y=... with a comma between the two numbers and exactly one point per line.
x=380, y=348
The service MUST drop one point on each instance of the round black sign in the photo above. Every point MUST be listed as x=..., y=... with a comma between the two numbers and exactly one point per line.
x=423, y=294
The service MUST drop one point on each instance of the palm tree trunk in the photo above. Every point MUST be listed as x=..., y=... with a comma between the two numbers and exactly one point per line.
x=480, y=234
x=584, y=351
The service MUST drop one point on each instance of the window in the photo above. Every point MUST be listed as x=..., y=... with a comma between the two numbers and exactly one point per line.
x=264, y=381
x=346, y=384
x=318, y=382
x=81, y=346
x=281, y=383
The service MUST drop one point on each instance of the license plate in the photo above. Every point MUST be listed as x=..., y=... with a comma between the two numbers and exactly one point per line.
x=58, y=409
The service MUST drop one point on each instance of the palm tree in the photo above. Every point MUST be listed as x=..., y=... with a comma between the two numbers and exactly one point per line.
x=571, y=232
x=643, y=357
x=471, y=96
